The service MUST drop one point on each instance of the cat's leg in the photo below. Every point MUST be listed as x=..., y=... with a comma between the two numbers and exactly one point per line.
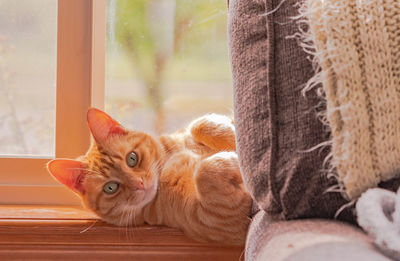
x=224, y=203
x=215, y=131
x=218, y=179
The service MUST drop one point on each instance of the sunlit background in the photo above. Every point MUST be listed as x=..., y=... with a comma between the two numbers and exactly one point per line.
x=28, y=43
x=166, y=63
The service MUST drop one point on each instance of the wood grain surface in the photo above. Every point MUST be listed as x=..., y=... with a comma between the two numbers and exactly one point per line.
x=74, y=239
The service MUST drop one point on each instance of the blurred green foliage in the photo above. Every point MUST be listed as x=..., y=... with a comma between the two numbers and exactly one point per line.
x=132, y=31
x=200, y=22
x=196, y=22
x=153, y=33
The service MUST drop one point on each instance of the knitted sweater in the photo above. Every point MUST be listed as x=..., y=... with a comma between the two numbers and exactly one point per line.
x=357, y=47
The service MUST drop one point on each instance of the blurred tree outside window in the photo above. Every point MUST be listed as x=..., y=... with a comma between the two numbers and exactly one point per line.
x=167, y=62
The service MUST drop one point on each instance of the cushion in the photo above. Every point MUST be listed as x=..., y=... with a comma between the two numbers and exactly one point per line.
x=356, y=46
x=308, y=240
x=276, y=125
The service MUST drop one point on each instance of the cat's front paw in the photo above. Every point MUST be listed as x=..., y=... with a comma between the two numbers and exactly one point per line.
x=215, y=131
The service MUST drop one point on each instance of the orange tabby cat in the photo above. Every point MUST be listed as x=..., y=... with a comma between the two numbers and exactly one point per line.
x=188, y=180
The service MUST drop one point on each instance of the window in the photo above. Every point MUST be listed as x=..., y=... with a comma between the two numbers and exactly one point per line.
x=77, y=29
x=167, y=62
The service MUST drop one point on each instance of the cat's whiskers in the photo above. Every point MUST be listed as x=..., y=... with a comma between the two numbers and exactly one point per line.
x=127, y=223
x=124, y=217
x=129, y=219
x=132, y=221
x=134, y=217
x=86, y=229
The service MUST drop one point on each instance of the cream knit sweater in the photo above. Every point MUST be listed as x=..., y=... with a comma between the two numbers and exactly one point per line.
x=356, y=44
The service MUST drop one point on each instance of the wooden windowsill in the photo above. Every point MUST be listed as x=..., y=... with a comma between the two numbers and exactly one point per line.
x=45, y=212
x=40, y=235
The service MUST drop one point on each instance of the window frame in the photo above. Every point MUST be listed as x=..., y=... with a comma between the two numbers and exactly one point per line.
x=81, y=31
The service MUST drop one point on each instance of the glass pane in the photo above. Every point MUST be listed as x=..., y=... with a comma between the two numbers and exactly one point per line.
x=167, y=62
x=28, y=34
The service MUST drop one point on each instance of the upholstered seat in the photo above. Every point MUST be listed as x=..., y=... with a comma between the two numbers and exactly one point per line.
x=308, y=240
x=277, y=127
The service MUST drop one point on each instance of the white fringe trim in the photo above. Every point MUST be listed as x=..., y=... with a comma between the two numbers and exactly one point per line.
x=306, y=39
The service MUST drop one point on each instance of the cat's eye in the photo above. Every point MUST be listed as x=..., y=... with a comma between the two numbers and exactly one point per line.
x=132, y=159
x=111, y=187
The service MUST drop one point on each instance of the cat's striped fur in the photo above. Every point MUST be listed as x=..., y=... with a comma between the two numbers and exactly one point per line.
x=188, y=180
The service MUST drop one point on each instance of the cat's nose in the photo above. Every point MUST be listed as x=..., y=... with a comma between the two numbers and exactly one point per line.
x=139, y=185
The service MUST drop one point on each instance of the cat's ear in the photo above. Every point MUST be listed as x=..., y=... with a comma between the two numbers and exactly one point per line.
x=102, y=125
x=68, y=172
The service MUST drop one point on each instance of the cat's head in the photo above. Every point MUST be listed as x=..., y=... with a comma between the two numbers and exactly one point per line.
x=118, y=176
